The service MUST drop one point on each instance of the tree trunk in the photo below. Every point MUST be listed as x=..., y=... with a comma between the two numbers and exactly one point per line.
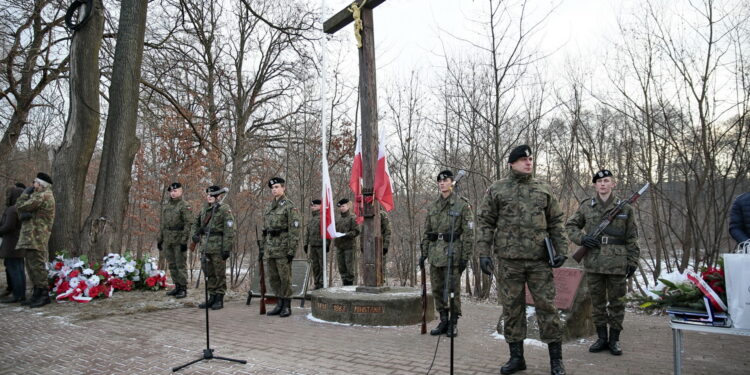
x=103, y=228
x=72, y=159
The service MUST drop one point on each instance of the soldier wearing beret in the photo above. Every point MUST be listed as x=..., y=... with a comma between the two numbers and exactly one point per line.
x=213, y=228
x=345, y=245
x=611, y=259
x=174, y=232
x=281, y=232
x=449, y=218
x=516, y=215
x=314, y=243
x=36, y=210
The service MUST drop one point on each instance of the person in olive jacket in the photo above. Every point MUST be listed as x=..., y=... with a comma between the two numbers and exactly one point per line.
x=10, y=229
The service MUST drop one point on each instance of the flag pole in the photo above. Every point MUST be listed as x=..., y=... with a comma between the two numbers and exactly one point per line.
x=323, y=121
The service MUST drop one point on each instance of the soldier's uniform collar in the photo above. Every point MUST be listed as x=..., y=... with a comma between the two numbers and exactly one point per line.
x=316, y=213
x=598, y=201
x=520, y=177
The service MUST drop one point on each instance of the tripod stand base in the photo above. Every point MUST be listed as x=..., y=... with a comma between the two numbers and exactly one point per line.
x=207, y=355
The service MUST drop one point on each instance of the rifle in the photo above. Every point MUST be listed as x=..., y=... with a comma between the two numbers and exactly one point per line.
x=424, y=301
x=583, y=250
x=262, y=272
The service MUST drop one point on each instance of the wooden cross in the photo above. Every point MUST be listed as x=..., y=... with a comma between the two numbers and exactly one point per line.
x=372, y=243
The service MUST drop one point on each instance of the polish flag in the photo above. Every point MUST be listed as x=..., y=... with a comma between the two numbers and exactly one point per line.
x=326, y=210
x=383, y=185
x=355, y=182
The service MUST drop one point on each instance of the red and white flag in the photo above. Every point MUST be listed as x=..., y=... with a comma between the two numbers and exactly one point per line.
x=326, y=210
x=355, y=181
x=383, y=185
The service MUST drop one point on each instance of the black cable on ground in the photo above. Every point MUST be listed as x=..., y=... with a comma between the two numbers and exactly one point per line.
x=435, y=354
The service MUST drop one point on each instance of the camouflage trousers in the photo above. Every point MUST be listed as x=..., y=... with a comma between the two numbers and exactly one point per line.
x=215, y=269
x=177, y=262
x=315, y=256
x=36, y=267
x=437, y=282
x=346, y=259
x=606, y=289
x=280, y=275
x=513, y=275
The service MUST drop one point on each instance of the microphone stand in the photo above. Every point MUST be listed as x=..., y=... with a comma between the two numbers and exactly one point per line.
x=208, y=353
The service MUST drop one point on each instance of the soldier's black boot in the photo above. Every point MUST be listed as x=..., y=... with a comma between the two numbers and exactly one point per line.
x=42, y=300
x=555, y=358
x=277, y=310
x=218, y=303
x=442, y=326
x=602, y=342
x=208, y=303
x=614, y=341
x=34, y=297
x=173, y=291
x=516, y=362
x=181, y=292
x=286, y=308
x=452, y=330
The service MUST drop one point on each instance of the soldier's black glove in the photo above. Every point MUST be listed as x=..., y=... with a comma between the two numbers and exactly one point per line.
x=204, y=230
x=485, y=263
x=461, y=265
x=385, y=250
x=183, y=247
x=558, y=261
x=196, y=238
x=158, y=245
x=25, y=216
x=630, y=271
x=590, y=242
x=421, y=261
x=290, y=258
x=305, y=249
x=224, y=255
x=28, y=190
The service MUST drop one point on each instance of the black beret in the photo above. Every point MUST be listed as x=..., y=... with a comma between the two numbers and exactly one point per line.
x=445, y=174
x=21, y=185
x=601, y=174
x=316, y=201
x=174, y=185
x=215, y=190
x=519, y=152
x=44, y=177
x=275, y=180
x=342, y=202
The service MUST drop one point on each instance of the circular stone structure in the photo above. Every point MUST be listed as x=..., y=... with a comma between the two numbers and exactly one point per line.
x=393, y=306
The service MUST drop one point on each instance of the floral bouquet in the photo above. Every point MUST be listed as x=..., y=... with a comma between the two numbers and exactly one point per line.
x=156, y=279
x=74, y=279
x=686, y=289
x=123, y=270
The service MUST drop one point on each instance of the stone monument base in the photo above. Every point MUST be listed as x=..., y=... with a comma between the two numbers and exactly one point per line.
x=395, y=306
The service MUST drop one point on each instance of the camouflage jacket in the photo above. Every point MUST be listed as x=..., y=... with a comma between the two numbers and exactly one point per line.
x=347, y=224
x=608, y=258
x=437, y=230
x=282, y=218
x=516, y=215
x=175, y=224
x=35, y=231
x=221, y=224
x=312, y=232
x=385, y=229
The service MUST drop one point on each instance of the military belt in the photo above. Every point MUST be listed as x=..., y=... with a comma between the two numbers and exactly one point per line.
x=274, y=232
x=606, y=240
x=181, y=227
x=443, y=236
x=217, y=233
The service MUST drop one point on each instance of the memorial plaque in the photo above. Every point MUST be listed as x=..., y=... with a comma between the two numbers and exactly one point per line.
x=567, y=281
x=300, y=277
x=369, y=309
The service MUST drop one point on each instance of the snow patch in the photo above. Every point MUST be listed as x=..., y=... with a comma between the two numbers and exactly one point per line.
x=310, y=317
x=531, y=342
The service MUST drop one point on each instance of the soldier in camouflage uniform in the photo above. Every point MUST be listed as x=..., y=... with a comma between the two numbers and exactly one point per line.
x=174, y=232
x=516, y=215
x=611, y=259
x=314, y=244
x=385, y=235
x=281, y=232
x=435, y=247
x=213, y=229
x=36, y=210
x=346, y=245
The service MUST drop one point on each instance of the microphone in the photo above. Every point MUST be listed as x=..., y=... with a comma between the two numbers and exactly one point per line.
x=461, y=173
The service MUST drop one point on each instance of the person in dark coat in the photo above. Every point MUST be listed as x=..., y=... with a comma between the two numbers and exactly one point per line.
x=10, y=229
x=739, y=218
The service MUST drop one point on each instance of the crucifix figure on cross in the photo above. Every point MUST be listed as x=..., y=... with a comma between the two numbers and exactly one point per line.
x=372, y=245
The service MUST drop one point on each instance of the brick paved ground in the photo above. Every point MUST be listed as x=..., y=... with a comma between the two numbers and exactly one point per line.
x=50, y=340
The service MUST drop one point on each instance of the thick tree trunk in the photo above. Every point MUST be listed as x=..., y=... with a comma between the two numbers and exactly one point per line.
x=11, y=135
x=81, y=130
x=102, y=230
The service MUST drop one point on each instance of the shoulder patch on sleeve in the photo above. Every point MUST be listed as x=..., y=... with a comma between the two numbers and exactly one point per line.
x=295, y=224
x=230, y=223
